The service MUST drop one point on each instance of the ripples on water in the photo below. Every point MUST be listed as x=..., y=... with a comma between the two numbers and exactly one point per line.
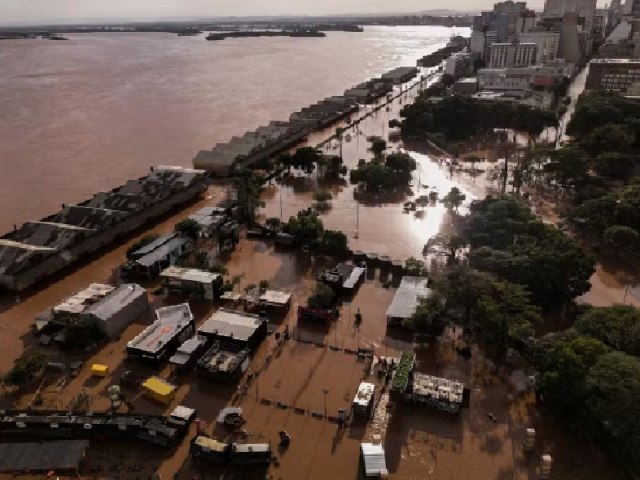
x=84, y=115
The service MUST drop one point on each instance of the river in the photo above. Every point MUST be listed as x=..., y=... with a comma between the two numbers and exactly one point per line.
x=85, y=115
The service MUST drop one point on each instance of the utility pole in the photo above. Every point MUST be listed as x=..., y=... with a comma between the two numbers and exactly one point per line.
x=281, y=205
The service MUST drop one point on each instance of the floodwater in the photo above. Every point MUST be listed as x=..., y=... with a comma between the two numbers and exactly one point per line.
x=419, y=443
x=85, y=115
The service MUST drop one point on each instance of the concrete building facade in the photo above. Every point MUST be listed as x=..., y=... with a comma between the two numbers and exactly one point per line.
x=512, y=55
x=616, y=75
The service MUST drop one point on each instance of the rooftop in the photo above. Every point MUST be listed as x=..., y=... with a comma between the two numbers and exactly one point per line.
x=116, y=300
x=406, y=298
x=210, y=444
x=365, y=394
x=80, y=301
x=231, y=324
x=162, y=251
x=438, y=388
x=190, y=274
x=187, y=349
x=42, y=456
x=170, y=321
x=275, y=297
x=375, y=464
x=222, y=359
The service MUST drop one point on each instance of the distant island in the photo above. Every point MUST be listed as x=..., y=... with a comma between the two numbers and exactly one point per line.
x=266, y=33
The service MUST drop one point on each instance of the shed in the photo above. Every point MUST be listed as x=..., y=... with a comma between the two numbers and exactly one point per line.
x=159, y=389
x=99, y=370
x=406, y=299
x=375, y=465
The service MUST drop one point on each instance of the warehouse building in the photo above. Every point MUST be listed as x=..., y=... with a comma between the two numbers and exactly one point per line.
x=192, y=282
x=111, y=309
x=162, y=338
x=148, y=261
x=245, y=330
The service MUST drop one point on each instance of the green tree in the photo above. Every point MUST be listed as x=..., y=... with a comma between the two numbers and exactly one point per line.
x=378, y=145
x=446, y=244
x=620, y=236
x=617, y=326
x=608, y=138
x=322, y=297
x=322, y=197
x=248, y=187
x=189, y=228
x=306, y=227
x=274, y=222
x=453, y=199
x=414, y=267
x=26, y=368
x=306, y=159
x=331, y=243
x=430, y=315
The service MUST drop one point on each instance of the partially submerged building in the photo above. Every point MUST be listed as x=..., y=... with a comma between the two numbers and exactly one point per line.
x=363, y=401
x=441, y=393
x=38, y=249
x=193, y=282
x=224, y=363
x=162, y=338
x=62, y=456
x=406, y=300
x=111, y=309
x=344, y=277
x=159, y=389
x=188, y=353
x=234, y=327
x=149, y=261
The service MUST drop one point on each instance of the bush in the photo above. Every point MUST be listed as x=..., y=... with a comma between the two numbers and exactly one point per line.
x=25, y=369
x=322, y=297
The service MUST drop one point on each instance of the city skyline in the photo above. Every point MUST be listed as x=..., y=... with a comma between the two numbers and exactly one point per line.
x=14, y=11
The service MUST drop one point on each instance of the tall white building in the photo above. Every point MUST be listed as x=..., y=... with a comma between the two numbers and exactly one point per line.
x=512, y=55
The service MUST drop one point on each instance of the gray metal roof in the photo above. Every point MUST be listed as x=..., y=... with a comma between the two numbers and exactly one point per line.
x=162, y=251
x=116, y=300
x=405, y=301
x=231, y=324
x=45, y=456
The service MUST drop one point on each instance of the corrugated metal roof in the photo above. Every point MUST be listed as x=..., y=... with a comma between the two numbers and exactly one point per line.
x=406, y=298
x=54, y=455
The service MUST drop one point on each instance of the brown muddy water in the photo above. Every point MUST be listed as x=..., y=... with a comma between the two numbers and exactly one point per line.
x=420, y=444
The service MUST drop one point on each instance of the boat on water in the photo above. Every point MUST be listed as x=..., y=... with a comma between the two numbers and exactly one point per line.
x=57, y=37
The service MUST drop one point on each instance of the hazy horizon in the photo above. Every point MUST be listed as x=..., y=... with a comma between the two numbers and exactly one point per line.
x=51, y=11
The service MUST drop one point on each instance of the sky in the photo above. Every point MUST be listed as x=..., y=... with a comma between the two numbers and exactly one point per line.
x=56, y=10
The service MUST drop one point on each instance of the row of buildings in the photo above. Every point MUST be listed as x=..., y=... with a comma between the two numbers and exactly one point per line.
x=520, y=55
x=38, y=249
x=270, y=140
x=526, y=55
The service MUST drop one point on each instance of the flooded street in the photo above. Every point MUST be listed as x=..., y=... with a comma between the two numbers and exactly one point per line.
x=315, y=373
